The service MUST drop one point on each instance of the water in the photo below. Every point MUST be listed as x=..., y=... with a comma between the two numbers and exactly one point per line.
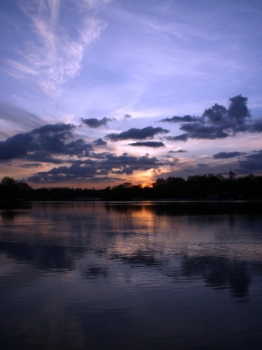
x=78, y=275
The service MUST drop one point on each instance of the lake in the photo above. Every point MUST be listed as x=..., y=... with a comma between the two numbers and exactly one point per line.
x=137, y=275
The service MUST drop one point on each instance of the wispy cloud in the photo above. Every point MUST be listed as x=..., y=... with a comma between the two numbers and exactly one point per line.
x=95, y=3
x=15, y=118
x=54, y=53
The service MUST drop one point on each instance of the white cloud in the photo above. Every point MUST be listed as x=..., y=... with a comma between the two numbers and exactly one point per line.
x=53, y=55
x=22, y=68
x=96, y=3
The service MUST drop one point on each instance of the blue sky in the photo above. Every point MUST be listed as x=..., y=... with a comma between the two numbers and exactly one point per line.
x=90, y=89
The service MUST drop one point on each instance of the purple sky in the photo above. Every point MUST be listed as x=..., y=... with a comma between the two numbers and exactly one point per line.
x=99, y=92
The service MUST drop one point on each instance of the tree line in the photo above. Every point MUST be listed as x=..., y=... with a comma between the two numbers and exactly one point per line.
x=197, y=187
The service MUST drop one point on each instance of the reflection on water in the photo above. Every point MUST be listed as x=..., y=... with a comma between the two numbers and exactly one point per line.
x=220, y=273
x=131, y=275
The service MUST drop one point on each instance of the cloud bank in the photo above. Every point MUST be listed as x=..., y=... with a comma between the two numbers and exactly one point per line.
x=217, y=122
x=43, y=143
x=97, y=169
x=76, y=159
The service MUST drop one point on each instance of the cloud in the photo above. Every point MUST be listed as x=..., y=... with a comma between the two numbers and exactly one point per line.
x=202, y=165
x=199, y=131
x=32, y=165
x=99, y=142
x=15, y=147
x=185, y=118
x=95, y=3
x=126, y=164
x=152, y=144
x=227, y=155
x=236, y=114
x=256, y=126
x=95, y=155
x=56, y=53
x=217, y=122
x=216, y=115
x=238, y=111
x=127, y=116
x=42, y=143
x=44, y=157
x=96, y=123
x=182, y=137
x=19, y=116
x=252, y=162
x=178, y=151
x=64, y=173
x=137, y=134
x=94, y=169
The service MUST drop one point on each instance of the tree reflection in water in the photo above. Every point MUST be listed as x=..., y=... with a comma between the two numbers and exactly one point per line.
x=141, y=275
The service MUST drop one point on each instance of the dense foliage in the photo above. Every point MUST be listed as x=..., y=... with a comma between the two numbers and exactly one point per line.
x=199, y=187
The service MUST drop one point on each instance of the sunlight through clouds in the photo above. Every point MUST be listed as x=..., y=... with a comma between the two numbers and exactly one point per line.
x=149, y=89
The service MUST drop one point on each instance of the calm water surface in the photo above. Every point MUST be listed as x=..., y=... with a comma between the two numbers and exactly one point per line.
x=80, y=275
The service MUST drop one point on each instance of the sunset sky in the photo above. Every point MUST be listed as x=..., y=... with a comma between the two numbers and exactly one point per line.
x=95, y=93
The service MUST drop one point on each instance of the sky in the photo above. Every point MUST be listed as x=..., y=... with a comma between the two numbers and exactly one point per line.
x=95, y=93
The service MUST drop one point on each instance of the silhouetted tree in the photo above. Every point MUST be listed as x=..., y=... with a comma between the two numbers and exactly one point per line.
x=196, y=187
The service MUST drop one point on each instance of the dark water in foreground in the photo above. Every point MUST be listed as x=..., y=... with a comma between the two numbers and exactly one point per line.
x=131, y=276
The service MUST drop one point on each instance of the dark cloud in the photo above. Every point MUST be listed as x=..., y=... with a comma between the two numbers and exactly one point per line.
x=256, y=126
x=127, y=116
x=185, y=118
x=78, y=147
x=99, y=142
x=16, y=146
x=238, y=110
x=216, y=115
x=182, y=137
x=202, y=165
x=252, y=162
x=31, y=165
x=236, y=114
x=98, y=155
x=94, y=169
x=226, y=155
x=137, y=134
x=64, y=173
x=96, y=123
x=127, y=164
x=43, y=143
x=178, y=151
x=54, y=128
x=189, y=170
x=200, y=131
x=153, y=144
x=43, y=156
x=218, y=122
